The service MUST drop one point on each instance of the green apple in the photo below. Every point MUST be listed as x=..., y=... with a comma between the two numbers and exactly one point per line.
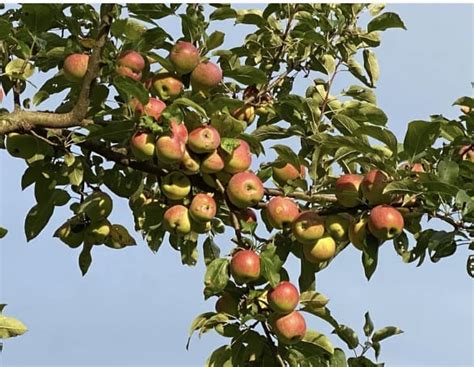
x=176, y=185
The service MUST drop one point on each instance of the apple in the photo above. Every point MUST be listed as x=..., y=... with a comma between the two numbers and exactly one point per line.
x=70, y=235
x=190, y=164
x=372, y=187
x=283, y=298
x=176, y=220
x=170, y=149
x=284, y=172
x=240, y=159
x=347, y=190
x=75, y=67
x=167, y=86
x=142, y=145
x=227, y=304
x=203, y=208
x=247, y=215
x=212, y=163
x=245, y=113
x=417, y=167
x=97, y=206
x=358, y=232
x=21, y=145
x=308, y=227
x=385, y=222
x=467, y=153
x=131, y=64
x=179, y=130
x=290, y=329
x=337, y=226
x=205, y=76
x=245, y=266
x=204, y=139
x=97, y=232
x=153, y=108
x=245, y=189
x=322, y=250
x=176, y=185
x=281, y=211
x=184, y=56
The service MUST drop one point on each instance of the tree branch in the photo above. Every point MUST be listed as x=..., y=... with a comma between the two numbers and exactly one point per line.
x=278, y=357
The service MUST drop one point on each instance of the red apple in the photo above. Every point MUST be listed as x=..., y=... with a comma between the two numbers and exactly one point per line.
x=347, y=190
x=184, y=56
x=245, y=266
x=373, y=185
x=283, y=298
x=290, y=329
x=281, y=211
x=467, y=153
x=176, y=220
x=170, y=149
x=179, y=130
x=153, y=108
x=212, y=163
x=142, y=145
x=203, y=208
x=75, y=67
x=167, y=86
x=385, y=222
x=206, y=76
x=308, y=227
x=204, y=139
x=284, y=172
x=240, y=159
x=131, y=64
x=245, y=189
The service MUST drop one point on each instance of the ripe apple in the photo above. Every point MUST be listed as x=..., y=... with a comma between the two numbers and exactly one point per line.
x=240, y=159
x=97, y=232
x=245, y=266
x=21, y=145
x=245, y=189
x=212, y=163
x=281, y=211
x=142, y=145
x=176, y=220
x=75, y=67
x=68, y=234
x=203, y=208
x=467, y=153
x=153, y=108
x=347, y=190
x=283, y=298
x=184, y=56
x=97, y=206
x=167, y=86
x=284, y=172
x=321, y=250
x=227, y=304
x=337, y=226
x=176, y=185
x=179, y=130
x=131, y=64
x=308, y=227
x=358, y=232
x=190, y=163
x=290, y=329
x=385, y=222
x=170, y=149
x=245, y=113
x=204, y=139
x=205, y=76
x=372, y=186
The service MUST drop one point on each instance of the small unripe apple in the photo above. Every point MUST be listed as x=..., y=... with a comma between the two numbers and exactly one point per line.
x=358, y=233
x=131, y=64
x=184, y=56
x=281, y=211
x=228, y=304
x=385, y=222
x=142, y=145
x=203, y=208
x=170, y=149
x=167, y=86
x=240, y=159
x=283, y=298
x=206, y=76
x=190, y=164
x=347, y=190
x=204, y=139
x=321, y=250
x=21, y=145
x=97, y=206
x=467, y=153
x=75, y=67
x=308, y=227
x=245, y=189
x=290, y=329
x=372, y=187
x=97, y=232
x=284, y=172
x=153, y=108
x=176, y=185
x=245, y=266
x=338, y=226
x=212, y=163
x=71, y=237
x=176, y=220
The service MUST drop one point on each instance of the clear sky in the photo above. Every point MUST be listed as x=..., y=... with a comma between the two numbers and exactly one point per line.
x=134, y=308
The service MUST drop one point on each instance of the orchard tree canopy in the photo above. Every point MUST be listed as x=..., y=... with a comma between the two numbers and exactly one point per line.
x=180, y=127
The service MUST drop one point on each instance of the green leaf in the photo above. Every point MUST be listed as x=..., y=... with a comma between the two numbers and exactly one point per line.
x=448, y=171
x=361, y=93
x=338, y=359
x=186, y=102
x=129, y=88
x=19, y=69
x=313, y=299
x=215, y=40
x=37, y=218
x=85, y=259
x=221, y=357
x=363, y=362
x=287, y=154
x=216, y=277
x=222, y=13
x=465, y=101
x=211, y=250
x=420, y=136
x=250, y=16
x=385, y=21
x=348, y=335
x=119, y=237
x=371, y=66
x=368, y=326
x=228, y=145
x=320, y=340
x=323, y=313
x=10, y=327
x=370, y=256
x=247, y=75
x=189, y=252
x=381, y=134
x=3, y=232
x=385, y=333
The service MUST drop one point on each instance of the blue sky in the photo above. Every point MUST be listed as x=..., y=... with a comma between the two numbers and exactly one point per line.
x=134, y=308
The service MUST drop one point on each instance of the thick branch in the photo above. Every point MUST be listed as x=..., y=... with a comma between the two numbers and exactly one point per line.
x=27, y=120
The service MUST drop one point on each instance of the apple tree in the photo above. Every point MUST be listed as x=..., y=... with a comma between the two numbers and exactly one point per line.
x=178, y=127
